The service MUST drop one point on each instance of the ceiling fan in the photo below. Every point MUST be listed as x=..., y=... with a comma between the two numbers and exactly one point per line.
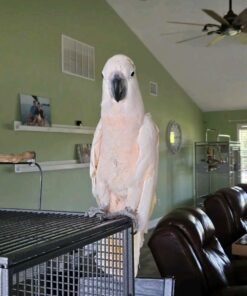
x=230, y=24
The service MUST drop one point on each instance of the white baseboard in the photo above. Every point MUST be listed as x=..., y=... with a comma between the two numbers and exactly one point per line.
x=153, y=223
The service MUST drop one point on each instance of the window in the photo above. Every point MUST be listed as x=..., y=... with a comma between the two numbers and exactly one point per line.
x=242, y=137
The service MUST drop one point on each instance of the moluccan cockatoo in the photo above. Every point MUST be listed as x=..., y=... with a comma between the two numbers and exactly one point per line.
x=124, y=154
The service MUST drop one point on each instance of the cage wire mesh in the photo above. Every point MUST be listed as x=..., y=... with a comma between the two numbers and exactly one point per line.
x=60, y=263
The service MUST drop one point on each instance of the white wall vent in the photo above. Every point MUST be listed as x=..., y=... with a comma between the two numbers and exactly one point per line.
x=153, y=88
x=77, y=58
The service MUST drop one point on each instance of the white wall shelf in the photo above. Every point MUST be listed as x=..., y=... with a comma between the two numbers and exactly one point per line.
x=55, y=128
x=51, y=166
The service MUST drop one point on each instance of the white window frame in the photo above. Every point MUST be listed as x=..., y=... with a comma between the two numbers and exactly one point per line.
x=242, y=126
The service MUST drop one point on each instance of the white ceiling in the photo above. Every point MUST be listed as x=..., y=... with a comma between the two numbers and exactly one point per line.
x=214, y=77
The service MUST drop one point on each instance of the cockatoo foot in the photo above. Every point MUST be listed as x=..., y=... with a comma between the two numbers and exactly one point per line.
x=96, y=212
x=126, y=212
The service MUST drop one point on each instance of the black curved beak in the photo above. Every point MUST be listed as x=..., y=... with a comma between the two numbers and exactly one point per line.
x=119, y=88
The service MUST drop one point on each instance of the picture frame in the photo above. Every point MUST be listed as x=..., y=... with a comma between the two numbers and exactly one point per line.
x=35, y=110
x=83, y=152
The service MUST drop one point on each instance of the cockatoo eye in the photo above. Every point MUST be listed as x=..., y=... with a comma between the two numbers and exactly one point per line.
x=132, y=74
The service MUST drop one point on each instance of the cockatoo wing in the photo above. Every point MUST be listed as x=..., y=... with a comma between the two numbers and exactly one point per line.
x=146, y=172
x=94, y=158
x=147, y=169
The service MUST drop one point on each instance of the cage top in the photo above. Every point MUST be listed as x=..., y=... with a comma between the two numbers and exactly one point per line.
x=29, y=234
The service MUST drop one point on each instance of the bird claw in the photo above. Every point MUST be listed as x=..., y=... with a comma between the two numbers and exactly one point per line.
x=95, y=212
x=130, y=213
x=126, y=212
x=103, y=215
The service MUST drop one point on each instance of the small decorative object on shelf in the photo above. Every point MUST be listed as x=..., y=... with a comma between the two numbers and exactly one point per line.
x=83, y=152
x=78, y=123
x=35, y=110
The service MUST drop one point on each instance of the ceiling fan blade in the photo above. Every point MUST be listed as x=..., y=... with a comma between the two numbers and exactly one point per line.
x=216, y=40
x=192, y=38
x=241, y=19
x=216, y=17
x=184, y=23
x=172, y=33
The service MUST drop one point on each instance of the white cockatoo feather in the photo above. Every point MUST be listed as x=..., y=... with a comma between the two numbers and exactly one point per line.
x=147, y=169
x=124, y=154
x=94, y=158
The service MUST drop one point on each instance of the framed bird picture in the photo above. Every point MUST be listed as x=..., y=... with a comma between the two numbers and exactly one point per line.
x=35, y=110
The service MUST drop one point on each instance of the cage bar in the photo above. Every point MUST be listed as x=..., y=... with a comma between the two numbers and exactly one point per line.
x=56, y=253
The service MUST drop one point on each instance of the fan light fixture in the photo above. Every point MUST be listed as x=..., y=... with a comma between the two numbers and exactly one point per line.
x=230, y=24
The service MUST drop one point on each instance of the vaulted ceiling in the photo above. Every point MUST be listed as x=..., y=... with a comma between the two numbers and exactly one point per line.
x=215, y=77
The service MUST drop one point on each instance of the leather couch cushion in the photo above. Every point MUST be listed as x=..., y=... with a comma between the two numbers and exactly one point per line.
x=191, y=230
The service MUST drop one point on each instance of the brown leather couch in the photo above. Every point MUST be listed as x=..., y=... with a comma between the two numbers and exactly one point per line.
x=243, y=185
x=227, y=209
x=184, y=245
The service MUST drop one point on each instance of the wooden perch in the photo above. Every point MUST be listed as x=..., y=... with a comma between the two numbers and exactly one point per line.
x=19, y=157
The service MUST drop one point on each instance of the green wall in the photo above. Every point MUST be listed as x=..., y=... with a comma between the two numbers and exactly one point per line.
x=225, y=122
x=30, y=52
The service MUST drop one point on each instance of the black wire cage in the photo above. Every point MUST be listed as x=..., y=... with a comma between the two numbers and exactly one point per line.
x=45, y=253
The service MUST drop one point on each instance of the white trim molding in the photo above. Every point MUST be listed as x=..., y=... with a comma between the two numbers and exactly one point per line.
x=51, y=166
x=55, y=128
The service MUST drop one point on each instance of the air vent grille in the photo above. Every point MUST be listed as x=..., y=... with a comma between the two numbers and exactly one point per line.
x=153, y=88
x=77, y=58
